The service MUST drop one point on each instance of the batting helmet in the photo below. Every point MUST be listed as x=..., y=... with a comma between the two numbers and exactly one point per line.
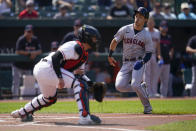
x=142, y=11
x=85, y=34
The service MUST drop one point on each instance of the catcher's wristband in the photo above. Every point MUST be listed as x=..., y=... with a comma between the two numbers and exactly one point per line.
x=110, y=53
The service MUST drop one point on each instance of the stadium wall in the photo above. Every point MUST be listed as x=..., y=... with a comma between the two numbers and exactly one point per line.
x=54, y=30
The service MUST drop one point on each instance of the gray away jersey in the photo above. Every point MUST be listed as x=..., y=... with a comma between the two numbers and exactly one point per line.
x=134, y=45
x=155, y=34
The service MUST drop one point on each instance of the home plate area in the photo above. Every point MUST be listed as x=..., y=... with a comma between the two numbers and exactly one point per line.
x=67, y=122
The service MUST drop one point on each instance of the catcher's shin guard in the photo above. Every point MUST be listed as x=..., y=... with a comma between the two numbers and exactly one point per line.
x=36, y=104
x=82, y=98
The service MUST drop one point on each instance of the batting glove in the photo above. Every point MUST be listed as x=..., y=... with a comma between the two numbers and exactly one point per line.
x=160, y=62
x=138, y=65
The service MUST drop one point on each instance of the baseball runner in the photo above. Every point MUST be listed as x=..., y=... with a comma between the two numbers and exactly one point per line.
x=151, y=70
x=137, y=50
x=64, y=69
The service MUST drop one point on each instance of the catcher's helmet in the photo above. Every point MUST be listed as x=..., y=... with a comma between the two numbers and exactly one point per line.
x=86, y=33
x=142, y=11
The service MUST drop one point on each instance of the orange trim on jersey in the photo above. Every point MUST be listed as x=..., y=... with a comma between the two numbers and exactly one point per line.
x=71, y=65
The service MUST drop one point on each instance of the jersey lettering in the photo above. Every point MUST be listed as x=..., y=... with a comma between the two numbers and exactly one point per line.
x=133, y=41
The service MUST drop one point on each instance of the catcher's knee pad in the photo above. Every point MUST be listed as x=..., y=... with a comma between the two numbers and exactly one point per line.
x=37, y=103
x=82, y=98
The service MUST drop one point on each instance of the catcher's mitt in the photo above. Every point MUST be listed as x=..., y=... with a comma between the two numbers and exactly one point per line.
x=99, y=90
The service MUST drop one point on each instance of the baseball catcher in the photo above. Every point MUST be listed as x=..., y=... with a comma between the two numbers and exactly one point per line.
x=58, y=70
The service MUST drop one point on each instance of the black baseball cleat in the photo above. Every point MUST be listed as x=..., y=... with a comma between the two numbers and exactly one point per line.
x=27, y=118
x=148, y=110
x=96, y=119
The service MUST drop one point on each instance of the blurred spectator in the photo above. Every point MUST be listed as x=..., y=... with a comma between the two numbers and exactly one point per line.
x=62, y=14
x=5, y=6
x=27, y=45
x=167, y=12
x=167, y=51
x=130, y=4
x=103, y=76
x=191, y=48
x=42, y=3
x=150, y=73
x=54, y=46
x=104, y=3
x=156, y=13
x=192, y=4
x=185, y=12
x=144, y=3
x=74, y=34
x=19, y=4
x=29, y=12
x=119, y=10
x=68, y=3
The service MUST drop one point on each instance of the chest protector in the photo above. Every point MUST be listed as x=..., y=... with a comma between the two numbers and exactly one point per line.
x=71, y=65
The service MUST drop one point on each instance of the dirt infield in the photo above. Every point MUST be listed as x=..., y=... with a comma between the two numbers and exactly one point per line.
x=67, y=122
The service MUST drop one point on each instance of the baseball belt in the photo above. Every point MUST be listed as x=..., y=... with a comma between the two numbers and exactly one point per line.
x=133, y=59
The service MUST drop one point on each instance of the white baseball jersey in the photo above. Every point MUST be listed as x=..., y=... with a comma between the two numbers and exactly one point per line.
x=69, y=54
x=134, y=45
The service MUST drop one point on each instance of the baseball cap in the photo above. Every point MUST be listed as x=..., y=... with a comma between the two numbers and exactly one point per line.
x=63, y=7
x=29, y=3
x=78, y=22
x=167, y=6
x=28, y=27
x=54, y=45
x=163, y=24
x=184, y=6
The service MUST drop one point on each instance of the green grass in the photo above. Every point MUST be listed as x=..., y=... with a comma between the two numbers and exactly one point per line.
x=175, y=126
x=187, y=106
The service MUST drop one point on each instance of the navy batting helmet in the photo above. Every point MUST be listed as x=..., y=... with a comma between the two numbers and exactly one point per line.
x=142, y=11
x=86, y=33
